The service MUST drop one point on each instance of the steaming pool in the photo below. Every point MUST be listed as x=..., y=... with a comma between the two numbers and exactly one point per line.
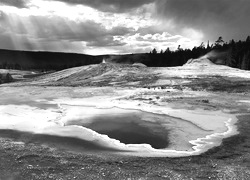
x=120, y=130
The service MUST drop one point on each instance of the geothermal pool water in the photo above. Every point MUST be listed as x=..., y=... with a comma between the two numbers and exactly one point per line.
x=128, y=129
x=115, y=129
x=134, y=130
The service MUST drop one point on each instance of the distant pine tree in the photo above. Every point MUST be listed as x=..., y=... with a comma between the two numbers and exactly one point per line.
x=219, y=42
x=245, y=61
x=154, y=51
x=248, y=39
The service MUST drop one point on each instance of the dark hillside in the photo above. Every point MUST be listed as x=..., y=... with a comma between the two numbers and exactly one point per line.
x=10, y=59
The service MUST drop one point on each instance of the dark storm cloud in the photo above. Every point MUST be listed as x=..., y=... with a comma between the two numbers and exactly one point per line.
x=105, y=42
x=229, y=18
x=58, y=28
x=110, y=5
x=6, y=41
x=16, y=3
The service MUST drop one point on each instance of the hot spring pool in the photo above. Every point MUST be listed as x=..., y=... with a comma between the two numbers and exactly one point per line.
x=115, y=130
x=128, y=129
x=134, y=128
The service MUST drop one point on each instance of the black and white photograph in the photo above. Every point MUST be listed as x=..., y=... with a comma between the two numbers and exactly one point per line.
x=124, y=89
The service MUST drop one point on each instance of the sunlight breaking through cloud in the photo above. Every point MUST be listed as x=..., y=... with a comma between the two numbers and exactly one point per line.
x=110, y=26
x=84, y=28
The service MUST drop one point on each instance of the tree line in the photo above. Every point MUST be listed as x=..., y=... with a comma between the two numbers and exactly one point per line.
x=233, y=53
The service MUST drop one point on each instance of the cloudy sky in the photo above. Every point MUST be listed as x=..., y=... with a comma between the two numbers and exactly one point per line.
x=119, y=26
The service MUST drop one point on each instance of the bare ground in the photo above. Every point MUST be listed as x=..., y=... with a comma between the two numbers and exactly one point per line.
x=231, y=160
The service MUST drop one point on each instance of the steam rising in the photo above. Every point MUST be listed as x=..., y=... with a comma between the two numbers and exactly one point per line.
x=217, y=57
x=214, y=54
